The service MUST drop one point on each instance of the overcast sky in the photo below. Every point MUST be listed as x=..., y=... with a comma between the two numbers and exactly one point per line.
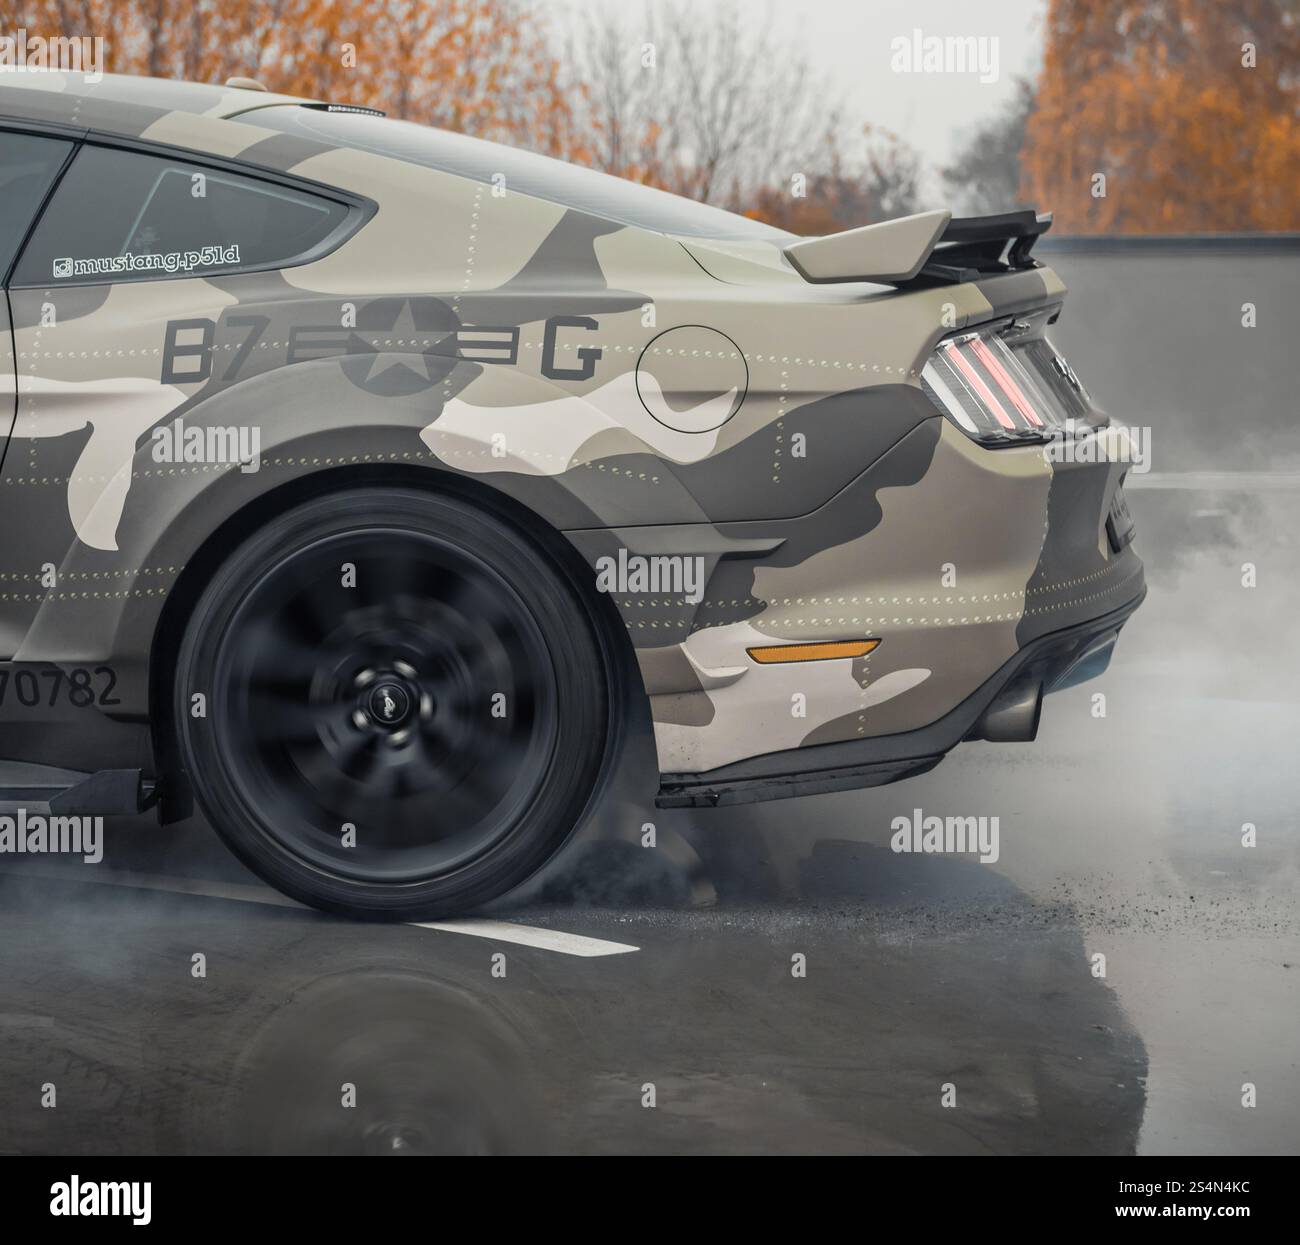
x=849, y=44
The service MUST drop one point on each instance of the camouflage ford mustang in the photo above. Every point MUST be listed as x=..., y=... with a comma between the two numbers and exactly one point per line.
x=361, y=480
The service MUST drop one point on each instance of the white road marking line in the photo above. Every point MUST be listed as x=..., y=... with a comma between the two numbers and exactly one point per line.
x=531, y=936
x=501, y=931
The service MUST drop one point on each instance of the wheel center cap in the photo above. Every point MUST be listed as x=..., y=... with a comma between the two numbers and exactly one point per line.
x=389, y=703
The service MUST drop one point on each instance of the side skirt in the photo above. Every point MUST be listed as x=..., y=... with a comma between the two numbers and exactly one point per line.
x=66, y=792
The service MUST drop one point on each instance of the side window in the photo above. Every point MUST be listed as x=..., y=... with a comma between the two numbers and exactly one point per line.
x=29, y=163
x=123, y=216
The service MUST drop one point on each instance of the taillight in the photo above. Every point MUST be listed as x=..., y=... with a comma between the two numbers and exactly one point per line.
x=1004, y=392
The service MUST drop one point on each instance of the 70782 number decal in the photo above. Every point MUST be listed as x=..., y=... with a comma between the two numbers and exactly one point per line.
x=80, y=687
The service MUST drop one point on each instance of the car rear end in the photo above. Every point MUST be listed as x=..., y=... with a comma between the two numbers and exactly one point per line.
x=1005, y=384
x=999, y=565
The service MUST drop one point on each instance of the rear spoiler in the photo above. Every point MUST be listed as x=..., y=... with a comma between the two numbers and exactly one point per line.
x=927, y=249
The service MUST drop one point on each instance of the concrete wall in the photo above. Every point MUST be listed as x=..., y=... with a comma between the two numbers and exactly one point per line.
x=1153, y=328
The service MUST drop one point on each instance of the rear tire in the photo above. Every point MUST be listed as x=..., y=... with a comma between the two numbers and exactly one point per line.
x=407, y=706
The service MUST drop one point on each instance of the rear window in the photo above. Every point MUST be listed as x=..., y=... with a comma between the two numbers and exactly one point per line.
x=125, y=216
x=570, y=185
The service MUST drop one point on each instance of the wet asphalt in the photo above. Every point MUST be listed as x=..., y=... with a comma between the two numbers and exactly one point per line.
x=922, y=975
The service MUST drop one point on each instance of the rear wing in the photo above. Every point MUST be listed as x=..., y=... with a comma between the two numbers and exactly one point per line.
x=927, y=249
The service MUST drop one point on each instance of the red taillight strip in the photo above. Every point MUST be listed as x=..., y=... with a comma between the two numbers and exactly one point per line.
x=977, y=383
x=1003, y=377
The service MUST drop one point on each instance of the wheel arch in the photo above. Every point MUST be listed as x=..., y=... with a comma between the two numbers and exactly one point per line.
x=627, y=691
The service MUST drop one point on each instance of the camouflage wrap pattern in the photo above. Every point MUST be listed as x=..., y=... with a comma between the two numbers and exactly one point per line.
x=635, y=391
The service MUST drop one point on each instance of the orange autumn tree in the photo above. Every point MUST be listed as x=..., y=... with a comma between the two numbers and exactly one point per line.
x=479, y=66
x=1187, y=107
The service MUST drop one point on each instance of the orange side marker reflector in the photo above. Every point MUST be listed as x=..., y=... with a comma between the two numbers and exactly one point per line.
x=821, y=651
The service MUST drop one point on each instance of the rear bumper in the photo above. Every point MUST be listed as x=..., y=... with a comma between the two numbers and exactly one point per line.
x=1058, y=659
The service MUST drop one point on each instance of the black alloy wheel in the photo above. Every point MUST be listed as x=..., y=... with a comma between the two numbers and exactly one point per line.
x=403, y=708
